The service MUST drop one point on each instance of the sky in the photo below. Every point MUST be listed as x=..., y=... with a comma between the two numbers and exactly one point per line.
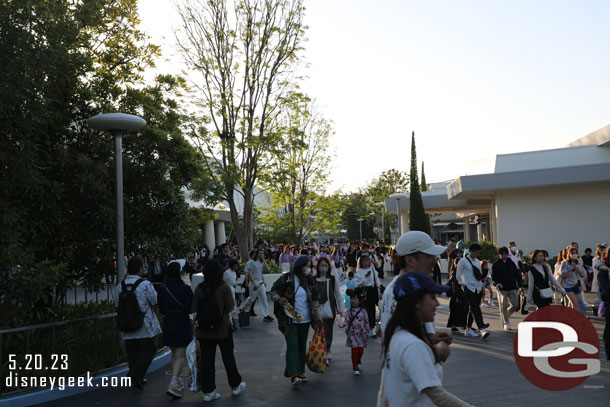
x=472, y=79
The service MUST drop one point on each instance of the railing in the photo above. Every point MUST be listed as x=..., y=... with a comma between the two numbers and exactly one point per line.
x=92, y=344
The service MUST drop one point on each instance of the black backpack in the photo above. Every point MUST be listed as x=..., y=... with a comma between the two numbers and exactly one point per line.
x=209, y=317
x=129, y=316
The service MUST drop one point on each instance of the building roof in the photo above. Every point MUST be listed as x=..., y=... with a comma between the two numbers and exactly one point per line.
x=600, y=137
x=484, y=185
x=438, y=201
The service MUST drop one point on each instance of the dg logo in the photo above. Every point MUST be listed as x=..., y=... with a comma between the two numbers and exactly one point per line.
x=557, y=348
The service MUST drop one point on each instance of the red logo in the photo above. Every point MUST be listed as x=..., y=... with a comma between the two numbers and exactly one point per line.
x=557, y=348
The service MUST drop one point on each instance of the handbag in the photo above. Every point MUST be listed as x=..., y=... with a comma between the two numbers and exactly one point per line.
x=523, y=306
x=316, y=354
x=545, y=292
x=326, y=311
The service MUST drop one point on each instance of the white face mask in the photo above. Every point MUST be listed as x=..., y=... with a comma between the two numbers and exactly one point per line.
x=307, y=271
x=574, y=257
x=513, y=249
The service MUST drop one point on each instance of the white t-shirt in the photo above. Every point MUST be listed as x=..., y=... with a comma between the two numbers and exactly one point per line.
x=300, y=303
x=388, y=305
x=408, y=370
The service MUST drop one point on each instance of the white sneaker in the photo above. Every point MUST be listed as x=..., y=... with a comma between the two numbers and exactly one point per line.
x=235, y=391
x=507, y=327
x=211, y=396
x=356, y=372
x=486, y=305
x=484, y=334
x=471, y=334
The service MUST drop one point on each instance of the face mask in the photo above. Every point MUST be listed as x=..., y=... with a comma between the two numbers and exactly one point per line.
x=574, y=257
x=513, y=249
x=307, y=271
x=323, y=269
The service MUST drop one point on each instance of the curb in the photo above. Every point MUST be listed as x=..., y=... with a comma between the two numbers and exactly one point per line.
x=45, y=395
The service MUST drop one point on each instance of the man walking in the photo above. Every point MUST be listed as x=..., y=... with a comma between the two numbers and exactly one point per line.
x=254, y=271
x=507, y=279
x=470, y=276
x=140, y=346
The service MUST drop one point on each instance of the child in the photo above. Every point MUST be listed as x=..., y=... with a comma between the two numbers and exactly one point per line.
x=349, y=288
x=357, y=330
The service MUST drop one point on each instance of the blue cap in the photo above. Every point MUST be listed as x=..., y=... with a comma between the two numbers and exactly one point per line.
x=301, y=261
x=413, y=282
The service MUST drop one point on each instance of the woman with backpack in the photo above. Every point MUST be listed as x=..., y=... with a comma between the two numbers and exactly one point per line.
x=175, y=302
x=212, y=303
x=296, y=293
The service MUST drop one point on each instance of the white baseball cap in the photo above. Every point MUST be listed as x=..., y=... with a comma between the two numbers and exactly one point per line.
x=416, y=241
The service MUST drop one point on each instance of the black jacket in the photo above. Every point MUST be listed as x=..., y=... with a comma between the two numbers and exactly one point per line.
x=507, y=274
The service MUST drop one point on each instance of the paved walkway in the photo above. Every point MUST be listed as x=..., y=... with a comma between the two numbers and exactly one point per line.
x=482, y=373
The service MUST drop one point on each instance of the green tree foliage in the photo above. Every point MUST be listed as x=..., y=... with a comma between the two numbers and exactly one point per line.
x=65, y=61
x=297, y=178
x=417, y=215
x=246, y=52
x=380, y=189
x=424, y=186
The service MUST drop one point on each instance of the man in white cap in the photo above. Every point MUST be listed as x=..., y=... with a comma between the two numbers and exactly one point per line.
x=416, y=252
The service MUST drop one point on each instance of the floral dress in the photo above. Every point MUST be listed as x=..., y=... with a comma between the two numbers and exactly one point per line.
x=359, y=330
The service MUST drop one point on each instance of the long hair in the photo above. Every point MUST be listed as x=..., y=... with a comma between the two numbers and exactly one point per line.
x=534, y=254
x=324, y=260
x=405, y=317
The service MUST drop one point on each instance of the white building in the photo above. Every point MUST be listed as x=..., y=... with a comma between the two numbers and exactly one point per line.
x=540, y=199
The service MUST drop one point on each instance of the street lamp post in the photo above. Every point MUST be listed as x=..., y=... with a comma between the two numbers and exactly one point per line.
x=397, y=197
x=118, y=124
x=382, y=204
x=360, y=221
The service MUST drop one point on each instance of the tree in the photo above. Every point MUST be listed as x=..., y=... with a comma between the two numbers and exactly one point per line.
x=381, y=188
x=246, y=53
x=67, y=61
x=424, y=186
x=417, y=214
x=298, y=175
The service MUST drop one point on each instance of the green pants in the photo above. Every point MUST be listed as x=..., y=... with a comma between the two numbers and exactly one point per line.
x=296, y=349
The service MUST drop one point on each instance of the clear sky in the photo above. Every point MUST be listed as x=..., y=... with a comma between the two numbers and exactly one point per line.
x=472, y=78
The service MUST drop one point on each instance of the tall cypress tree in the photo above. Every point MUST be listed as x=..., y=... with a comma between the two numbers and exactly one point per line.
x=417, y=214
x=424, y=186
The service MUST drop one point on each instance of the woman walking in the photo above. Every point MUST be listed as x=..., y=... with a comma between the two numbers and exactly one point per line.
x=412, y=373
x=175, y=301
x=367, y=279
x=458, y=305
x=296, y=293
x=328, y=289
x=571, y=273
x=212, y=302
x=541, y=281
x=287, y=258
x=338, y=264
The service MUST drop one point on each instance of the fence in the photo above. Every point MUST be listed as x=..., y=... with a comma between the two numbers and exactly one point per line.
x=91, y=344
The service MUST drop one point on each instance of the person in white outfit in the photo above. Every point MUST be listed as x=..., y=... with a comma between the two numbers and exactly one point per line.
x=254, y=271
x=230, y=277
x=367, y=278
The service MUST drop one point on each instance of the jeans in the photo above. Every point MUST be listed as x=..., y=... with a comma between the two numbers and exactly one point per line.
x=474, y=309
x=208, y=364
x=506, y=309
x=140, y=354
x=296, y=349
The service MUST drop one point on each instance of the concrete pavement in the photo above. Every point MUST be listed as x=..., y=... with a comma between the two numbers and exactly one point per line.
x=481, y=373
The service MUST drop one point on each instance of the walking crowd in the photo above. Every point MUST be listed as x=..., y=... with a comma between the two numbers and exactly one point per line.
x=324, y=286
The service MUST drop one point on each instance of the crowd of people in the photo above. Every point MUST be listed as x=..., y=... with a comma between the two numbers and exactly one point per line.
x=326, y=285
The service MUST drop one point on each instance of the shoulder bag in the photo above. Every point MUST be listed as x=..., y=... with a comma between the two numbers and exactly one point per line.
x=326, y=311
x=475, y=270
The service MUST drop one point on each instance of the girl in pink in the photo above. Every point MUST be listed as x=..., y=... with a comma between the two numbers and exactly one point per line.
x=357, y=330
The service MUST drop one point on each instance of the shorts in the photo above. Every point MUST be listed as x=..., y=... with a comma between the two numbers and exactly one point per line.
x=487, y=283
x=574, y=289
